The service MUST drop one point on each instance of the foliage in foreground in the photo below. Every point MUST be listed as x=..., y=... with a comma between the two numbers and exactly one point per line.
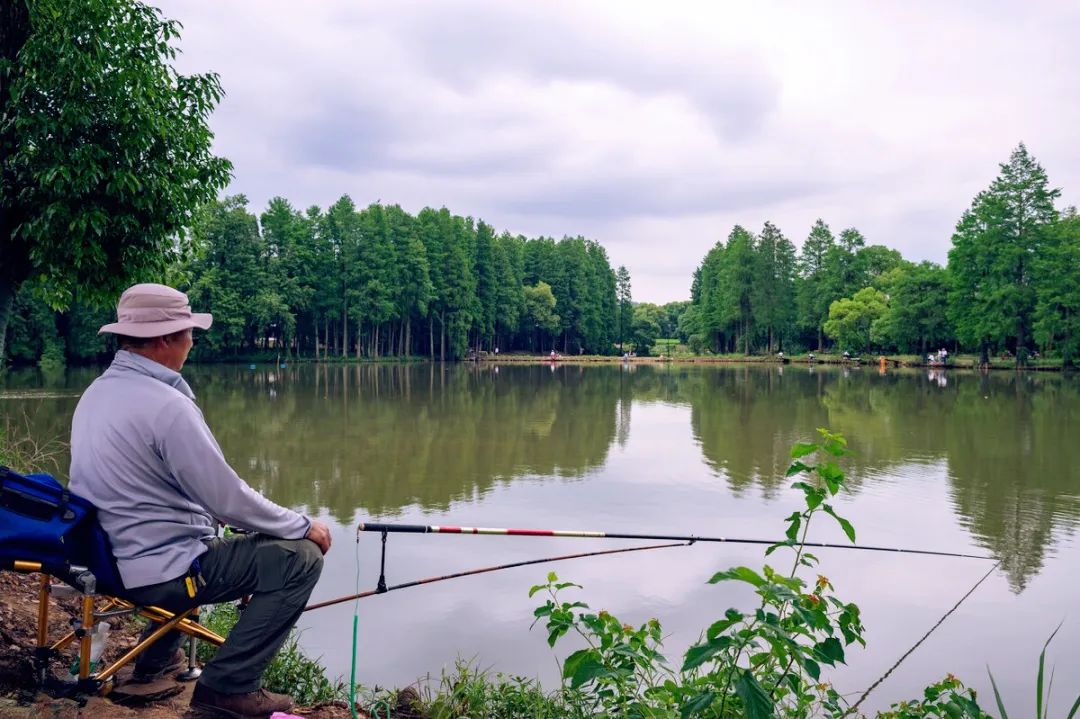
x=106, y=148
x=762, y=663
x=759, y=663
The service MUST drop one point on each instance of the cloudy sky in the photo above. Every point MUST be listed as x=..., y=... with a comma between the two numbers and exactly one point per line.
x=652, y=127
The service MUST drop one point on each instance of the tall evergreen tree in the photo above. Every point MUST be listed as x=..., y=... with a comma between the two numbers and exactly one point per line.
x=813, y=301
x=774, y=285
x=741, y=263
x=625, y=303
x=486, y=292
x=992, y=257
x=510, y=277
x=1057, y=310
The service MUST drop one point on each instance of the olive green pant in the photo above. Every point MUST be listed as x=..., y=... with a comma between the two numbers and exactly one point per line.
x=279, y=574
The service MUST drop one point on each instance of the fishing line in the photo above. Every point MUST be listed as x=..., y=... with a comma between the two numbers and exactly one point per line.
x=924, y=638
x=355, y=620
x=483, y=570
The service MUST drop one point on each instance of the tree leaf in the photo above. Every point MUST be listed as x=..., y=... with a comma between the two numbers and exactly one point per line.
x=756, y=702
x=697, y=704
x=731, y=616
x=796, y=468
x=700, y=653
x=740, y=574
x=582, y=667
x=801, y=449
x=830, y=651
x=849, y=530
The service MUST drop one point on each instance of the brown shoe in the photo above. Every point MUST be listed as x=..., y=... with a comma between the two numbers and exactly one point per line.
x=253, y=705
x=145, y=675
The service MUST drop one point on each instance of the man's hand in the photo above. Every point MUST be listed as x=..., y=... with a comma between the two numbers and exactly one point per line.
x=320, y=534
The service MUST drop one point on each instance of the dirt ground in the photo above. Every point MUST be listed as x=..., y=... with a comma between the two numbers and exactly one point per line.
x=20, y=699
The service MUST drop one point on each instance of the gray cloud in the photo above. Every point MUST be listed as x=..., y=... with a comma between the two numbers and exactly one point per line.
x=621, y=197
x=642, y=125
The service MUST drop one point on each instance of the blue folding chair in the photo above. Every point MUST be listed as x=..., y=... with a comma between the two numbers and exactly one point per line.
x=44, y=528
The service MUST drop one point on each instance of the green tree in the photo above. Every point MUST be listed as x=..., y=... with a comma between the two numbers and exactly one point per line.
x=287, y=236
x=230, y=276
x=813, y=301
x=873, y=261
x=340, y=229
x=510, y=294
x=851, y=319
x=1057, y=311
x=648, y=322
x=991, y=260
x=739, y=280
x=486, y=284
x=774, y=285
x=918, y=307
x=105, y=150
x=540, y=317
x=710, y=296
x=371, y=275
x=626, y=303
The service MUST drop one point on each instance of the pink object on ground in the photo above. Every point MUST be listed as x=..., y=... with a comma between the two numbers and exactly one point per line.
x=283, y=715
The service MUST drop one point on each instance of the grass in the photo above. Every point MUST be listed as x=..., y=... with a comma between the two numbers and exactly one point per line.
x=470, y=692
x=21, y=451
x=465, y=691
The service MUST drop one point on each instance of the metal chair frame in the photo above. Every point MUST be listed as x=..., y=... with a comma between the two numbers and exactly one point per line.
x=83, y=581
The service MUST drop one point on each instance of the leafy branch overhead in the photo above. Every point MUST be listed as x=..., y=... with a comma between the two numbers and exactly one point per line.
x=106, y=149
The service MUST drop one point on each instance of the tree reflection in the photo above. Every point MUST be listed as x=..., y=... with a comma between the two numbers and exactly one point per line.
x=380, y=437
x=1007, y=441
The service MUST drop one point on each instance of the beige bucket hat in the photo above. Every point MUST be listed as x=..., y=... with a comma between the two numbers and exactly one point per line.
x=149, y=310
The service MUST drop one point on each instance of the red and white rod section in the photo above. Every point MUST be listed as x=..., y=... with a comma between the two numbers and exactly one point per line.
x=509, y=532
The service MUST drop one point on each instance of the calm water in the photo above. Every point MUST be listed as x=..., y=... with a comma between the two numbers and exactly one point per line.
x=962, y=462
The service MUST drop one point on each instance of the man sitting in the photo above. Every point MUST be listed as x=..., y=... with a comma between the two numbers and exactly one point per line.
x=142, y=454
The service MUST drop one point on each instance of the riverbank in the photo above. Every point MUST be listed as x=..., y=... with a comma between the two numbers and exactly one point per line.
x=967, y=362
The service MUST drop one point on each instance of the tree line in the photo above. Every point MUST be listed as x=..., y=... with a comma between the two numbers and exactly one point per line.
x=379, y=282
x=371, y=283
x=1011, y=285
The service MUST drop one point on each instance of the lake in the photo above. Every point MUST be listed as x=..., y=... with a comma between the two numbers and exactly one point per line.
x=945, y=460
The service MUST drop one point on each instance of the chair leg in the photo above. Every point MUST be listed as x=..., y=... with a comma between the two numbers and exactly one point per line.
x=42, y=651
x=67, y=638
x=43, y=612
x=193, y=671
x=85, y=639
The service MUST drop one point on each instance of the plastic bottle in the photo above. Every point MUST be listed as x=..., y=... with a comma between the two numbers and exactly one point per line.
x=98, y=638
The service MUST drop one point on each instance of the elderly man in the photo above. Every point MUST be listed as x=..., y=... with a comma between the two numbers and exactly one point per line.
x=142, y=453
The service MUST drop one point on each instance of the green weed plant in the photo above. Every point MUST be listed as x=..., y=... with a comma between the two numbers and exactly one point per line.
x=757, y=663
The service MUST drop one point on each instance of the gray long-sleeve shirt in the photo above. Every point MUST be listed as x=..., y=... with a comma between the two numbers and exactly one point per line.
x=142, y=454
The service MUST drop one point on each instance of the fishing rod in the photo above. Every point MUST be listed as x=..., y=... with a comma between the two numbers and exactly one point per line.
x=482, y=570
x=688, y=539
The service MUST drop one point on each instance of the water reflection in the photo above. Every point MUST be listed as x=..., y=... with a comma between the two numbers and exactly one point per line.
x=1008, y=441
x=375, y=440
